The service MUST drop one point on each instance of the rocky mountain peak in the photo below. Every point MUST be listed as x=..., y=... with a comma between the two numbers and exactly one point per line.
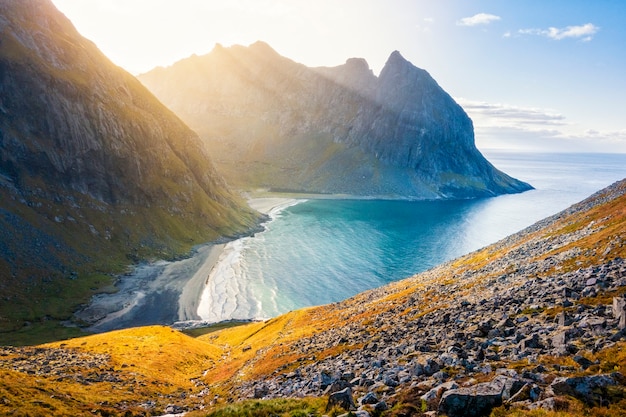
x=396, y=58
x=400, y=78
x=331, y=129
x=358, y=66
x=355, y=75
x=260, y=46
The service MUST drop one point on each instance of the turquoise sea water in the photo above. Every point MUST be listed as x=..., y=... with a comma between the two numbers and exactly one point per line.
x=321, y=251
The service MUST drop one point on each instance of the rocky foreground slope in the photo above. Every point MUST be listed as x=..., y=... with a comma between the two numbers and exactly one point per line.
x=95, y=173
x=279, y=125
x=535, y=321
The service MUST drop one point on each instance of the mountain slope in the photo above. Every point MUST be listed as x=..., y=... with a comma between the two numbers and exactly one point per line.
x=277, y=124
x=95, y=173
x=535, y=320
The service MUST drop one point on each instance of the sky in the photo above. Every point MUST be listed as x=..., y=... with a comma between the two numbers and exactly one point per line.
x=534, y=75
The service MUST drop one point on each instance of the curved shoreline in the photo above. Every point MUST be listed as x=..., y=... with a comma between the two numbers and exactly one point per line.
x=189, y=299
x=164, y=292
x=155, y=293
x=222, y=298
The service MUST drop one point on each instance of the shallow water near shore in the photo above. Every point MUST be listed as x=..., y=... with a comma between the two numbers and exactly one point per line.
x=319, y=251
x=322, y=251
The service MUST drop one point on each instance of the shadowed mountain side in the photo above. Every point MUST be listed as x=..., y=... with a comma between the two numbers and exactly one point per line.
x=95, y=173
x=273, y=123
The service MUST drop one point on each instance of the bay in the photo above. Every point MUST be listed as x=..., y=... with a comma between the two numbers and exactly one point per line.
x=324, y=250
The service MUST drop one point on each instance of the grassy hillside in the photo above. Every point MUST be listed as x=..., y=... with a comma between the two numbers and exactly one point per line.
x=523, y=285
x=95, y=175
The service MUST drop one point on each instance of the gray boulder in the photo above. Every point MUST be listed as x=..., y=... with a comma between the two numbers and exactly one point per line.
x=478, y=400
x=585, y=388
x=369, y=398
x=341, y=399
x=619, y=311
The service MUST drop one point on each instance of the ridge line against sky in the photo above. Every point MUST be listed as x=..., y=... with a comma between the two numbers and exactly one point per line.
x=545, y=76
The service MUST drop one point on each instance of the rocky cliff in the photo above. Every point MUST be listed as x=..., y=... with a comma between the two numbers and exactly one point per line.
x=95, y=173
x=280, y=125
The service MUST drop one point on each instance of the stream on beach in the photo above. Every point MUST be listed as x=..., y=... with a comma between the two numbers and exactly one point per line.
x=318, y=251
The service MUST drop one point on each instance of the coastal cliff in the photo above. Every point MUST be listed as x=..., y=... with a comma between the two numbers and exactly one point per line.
x=276, y=124
x=95, y=173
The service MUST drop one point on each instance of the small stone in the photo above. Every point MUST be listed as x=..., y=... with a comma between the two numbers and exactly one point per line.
x=174, y=409
x=559, y=340
x=474, y=401
x=548, y=404
x=441, y=376
x=431, y=367
x=531, y=343
x=582, y=361
x=260, y=392
x=381, y=406
x=370, y=398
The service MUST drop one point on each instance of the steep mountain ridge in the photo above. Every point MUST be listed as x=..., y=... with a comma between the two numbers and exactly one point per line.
x=535, y=321
x=277, y=124
x=95, y=173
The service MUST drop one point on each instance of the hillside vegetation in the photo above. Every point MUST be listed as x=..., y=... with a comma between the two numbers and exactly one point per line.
x=534, y=321
x=95, y=174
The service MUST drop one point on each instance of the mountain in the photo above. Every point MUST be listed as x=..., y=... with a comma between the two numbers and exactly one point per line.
x=275, y=124
x=95, y=173
x=534, y=321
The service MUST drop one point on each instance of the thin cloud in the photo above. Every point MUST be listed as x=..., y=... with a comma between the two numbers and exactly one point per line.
x=506, y=126
x=584, y=32
x=617, y=137
x=503, y=114
x=425, y=24
x=478, y=19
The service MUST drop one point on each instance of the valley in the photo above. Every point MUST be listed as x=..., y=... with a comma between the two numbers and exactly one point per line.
x=133, y=210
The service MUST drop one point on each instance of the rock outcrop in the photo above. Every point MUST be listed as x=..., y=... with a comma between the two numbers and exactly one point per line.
x=94, y=171
x=277, y=124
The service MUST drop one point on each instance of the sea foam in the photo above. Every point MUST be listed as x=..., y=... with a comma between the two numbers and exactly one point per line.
x=231, y=292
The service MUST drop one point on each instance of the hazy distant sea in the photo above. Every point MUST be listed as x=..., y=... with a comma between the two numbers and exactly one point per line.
x=321, y=251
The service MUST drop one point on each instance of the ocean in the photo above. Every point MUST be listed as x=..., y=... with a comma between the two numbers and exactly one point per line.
x=320, y=251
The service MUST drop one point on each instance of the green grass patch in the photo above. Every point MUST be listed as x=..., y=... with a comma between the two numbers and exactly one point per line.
x=30, y=334
x=282, y=407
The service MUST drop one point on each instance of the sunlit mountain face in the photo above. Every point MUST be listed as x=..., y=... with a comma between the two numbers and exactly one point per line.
x=279, y=125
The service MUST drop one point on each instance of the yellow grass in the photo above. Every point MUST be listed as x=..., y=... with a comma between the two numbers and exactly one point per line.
x=151, y=350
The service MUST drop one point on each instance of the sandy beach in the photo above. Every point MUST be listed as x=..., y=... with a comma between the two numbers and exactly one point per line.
x=190, y=295
x=155, y=293
x=224, y=297
x=165, y=292
x=267, y=205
